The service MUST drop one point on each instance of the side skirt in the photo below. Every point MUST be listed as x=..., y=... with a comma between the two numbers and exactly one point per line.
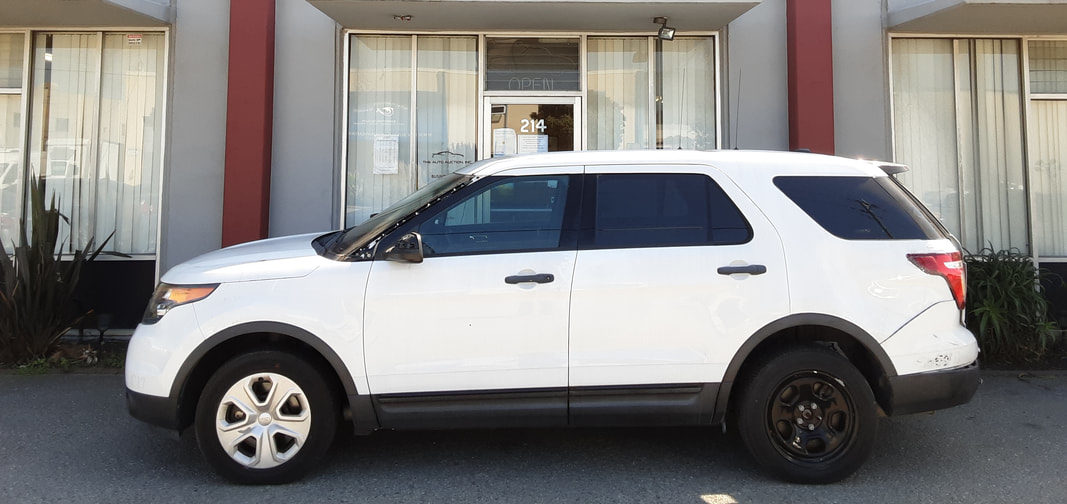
x=627, y=405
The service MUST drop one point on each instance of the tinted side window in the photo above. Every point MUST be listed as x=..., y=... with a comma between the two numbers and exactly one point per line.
x=859, y=208
x=511, y=214
x=659, y=210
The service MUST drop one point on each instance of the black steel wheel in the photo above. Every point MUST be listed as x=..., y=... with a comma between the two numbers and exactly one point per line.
x=807, y=414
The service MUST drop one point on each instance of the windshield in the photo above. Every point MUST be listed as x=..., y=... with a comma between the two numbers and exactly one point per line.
x=357, y=237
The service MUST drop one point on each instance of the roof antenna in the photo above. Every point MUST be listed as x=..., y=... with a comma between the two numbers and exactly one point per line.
x=737, y=109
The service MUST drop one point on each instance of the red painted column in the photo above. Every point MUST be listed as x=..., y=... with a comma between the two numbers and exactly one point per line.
x=249, y=121
x=811, y=75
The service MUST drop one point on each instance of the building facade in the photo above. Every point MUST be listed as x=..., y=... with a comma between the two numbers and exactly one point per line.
x=186, y=125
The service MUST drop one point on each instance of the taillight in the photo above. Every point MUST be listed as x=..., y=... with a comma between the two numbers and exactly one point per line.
x=949, y=266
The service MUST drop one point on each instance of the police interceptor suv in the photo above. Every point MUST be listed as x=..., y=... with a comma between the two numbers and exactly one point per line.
x=795, y=296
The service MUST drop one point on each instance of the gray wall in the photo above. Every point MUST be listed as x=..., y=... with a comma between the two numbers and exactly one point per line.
x=196, y=132
x=756, y=88
x=307, y=63
x=861, y=123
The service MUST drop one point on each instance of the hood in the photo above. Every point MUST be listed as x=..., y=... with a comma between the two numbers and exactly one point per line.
x=272, y=259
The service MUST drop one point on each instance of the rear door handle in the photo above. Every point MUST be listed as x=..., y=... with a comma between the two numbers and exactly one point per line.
x=751, y=269
x=538, y=278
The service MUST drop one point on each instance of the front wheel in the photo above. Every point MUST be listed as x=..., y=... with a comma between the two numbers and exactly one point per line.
x=808, y=415
x=265, y=417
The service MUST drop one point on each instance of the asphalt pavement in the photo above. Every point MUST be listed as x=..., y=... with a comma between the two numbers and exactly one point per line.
x=68, y=438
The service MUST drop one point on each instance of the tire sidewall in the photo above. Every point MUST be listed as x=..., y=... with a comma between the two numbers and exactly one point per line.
x=322, y=403
x=753, y=409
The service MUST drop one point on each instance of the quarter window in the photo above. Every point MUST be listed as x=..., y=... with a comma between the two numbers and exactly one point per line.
x=509, y=215
x=859, y=208
x=661, y=210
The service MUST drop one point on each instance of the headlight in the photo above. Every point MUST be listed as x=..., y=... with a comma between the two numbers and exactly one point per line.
x=168, y=296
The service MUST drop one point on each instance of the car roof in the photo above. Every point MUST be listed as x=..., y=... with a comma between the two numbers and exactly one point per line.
x=729, y=161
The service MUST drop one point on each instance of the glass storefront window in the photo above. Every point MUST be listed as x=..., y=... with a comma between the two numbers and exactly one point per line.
x=418, y=107
x=687, y=117
x=618, y=93
x=532, y=64
x=1048, y=145
x=962, y=135
x=96, y=134
x=447, y=111
x=379, y=125
x=389, y=156
x=1048, y=66
x=11, y=67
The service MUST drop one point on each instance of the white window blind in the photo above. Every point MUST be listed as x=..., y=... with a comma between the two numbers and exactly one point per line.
x=958, y=123
x=11, y=155
x=96, y=134
x=689, y=93
x=1048, y=175
x=618, y=93
x=380, y=170
x=447, y=111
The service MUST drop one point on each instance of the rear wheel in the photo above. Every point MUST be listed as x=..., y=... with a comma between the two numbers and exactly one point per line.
x=265, y=417
x=807, y=415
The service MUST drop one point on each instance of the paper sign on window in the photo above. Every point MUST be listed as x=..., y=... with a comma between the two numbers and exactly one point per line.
x=386, y=154
x=504, y=142
x=529, y=144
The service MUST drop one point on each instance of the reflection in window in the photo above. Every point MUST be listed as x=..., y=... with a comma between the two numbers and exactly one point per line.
x=517, y=213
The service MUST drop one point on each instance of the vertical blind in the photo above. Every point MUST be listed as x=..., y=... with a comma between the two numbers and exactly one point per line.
x=96, y=134
x=446, y=110
x=957, y=116
x=380, y=169
x=63, y=139
x=1048, y=175
x=11, y=55
x=382, y=166
x=1048, y=145
x=618, y=93
x=689, y=93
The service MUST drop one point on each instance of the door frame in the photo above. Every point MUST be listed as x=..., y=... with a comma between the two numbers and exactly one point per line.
x=486, y=119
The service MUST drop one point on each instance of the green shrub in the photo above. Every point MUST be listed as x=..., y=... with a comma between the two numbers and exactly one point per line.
x=37, y=286
x=1006, y=307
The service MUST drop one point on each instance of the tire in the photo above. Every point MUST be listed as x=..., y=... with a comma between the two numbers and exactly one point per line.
x=807, y=415
x=275, y=439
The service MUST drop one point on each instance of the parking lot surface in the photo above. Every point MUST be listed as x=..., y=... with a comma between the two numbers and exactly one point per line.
x=68, y=438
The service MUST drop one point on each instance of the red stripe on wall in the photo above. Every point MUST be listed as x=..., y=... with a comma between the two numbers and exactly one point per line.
x=811, y=75
x=249, y=122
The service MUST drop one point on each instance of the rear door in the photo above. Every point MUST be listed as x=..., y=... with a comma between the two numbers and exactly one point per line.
x=676, y=267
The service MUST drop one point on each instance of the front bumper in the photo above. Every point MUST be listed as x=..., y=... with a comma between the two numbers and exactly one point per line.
x=155, y=410
x=932, y=390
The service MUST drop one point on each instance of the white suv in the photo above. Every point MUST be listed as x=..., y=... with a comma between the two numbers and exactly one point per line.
x=797, y=295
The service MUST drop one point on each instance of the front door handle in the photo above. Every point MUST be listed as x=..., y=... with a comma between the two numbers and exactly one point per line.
x=538, y=278
x=751, y=269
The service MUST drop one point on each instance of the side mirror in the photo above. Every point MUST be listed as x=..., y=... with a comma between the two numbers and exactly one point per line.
x=407, y=249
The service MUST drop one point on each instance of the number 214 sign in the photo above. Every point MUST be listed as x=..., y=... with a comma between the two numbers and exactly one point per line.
x=532, y=126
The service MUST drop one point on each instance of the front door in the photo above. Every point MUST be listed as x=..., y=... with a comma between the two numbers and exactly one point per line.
x=530, y=124
x=478, y=330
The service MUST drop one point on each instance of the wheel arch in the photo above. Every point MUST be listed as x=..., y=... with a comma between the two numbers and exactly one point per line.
x=223, y=345
x=853, y=341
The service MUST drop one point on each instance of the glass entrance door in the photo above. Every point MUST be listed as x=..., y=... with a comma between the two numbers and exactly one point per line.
x=530, y=124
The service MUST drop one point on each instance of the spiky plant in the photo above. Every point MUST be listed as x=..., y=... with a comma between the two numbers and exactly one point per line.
x=37, y=285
